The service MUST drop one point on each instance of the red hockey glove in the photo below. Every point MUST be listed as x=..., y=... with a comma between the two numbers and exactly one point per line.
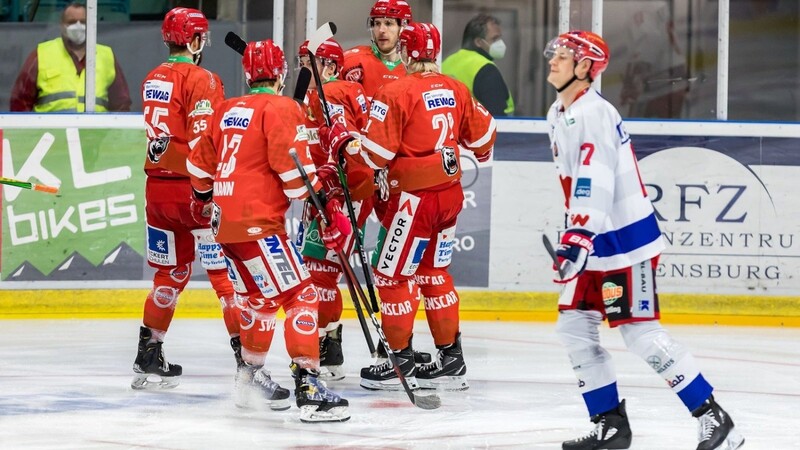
x=334, y=138
x=331, y=183
x=201, y=207
x=573, y=253
x=335, y=234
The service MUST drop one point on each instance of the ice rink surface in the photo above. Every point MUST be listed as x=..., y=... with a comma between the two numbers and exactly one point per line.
x=64, y=384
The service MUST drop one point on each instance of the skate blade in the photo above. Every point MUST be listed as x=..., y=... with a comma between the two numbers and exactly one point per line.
x=733, y=440
x=451, y=383
x=331, y=373
x=141, y=382
x=309, y=414
x=393, y=384
x=250, y=398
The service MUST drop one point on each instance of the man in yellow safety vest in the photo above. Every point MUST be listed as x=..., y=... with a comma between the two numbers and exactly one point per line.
x=53, y=78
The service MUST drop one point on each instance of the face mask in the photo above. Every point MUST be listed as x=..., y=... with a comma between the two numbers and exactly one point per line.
x=498, y=49
x=76, y=33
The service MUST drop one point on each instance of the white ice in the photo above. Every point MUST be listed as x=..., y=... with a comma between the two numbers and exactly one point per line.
x=65, y=384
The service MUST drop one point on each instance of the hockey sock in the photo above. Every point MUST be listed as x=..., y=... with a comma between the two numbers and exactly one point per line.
x=159, y=307
x=669, y=359
x=300, y=328
x=441, y=305
x=257, y=325
x=399, y=303
x=325, y=275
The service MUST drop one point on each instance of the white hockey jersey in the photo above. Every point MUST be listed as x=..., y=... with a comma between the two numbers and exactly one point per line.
x=600, y=177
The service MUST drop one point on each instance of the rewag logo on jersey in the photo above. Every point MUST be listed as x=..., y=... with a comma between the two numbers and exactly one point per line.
x=439, y=98
x=157, y=91
x=236, y=117
x=378, y=110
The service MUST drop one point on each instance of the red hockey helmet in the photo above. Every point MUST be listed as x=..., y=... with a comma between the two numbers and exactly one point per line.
x=583, y=45
x=393, y=9
x=329, y=50
x=421, y=41
x=182, y=24
x=263, y=60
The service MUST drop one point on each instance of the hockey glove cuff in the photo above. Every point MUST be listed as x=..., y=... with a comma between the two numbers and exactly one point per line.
x=573, y=253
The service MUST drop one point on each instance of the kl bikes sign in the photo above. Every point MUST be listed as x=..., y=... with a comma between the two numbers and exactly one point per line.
x=93, y=230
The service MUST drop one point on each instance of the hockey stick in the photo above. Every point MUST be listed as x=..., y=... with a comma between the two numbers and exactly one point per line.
x=238, y=44
x=552, y=252
x=431, y=401
x=323, y=33
x=29, y=185
x=326, y=31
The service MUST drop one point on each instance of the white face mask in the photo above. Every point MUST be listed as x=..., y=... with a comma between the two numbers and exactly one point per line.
x=498, y=49
x=76, y=33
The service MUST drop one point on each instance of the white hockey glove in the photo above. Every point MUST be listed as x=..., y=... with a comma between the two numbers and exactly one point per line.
x=573, y=253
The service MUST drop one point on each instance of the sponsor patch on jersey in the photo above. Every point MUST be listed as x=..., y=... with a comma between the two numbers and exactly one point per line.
x=313, y=135
x=253, y=231
x=362, y=101
x=234, y=277
x=157, y=91
x=334, y=109
x=439, y=98
x=583, y=187
x=305, y=323
x=378, y=110
x=302, y=133
x=260, y=275
x=236, y=117
x=161, y=246
x=445, y=244
x=414, y=257
x=202, y=108
x=611, y=293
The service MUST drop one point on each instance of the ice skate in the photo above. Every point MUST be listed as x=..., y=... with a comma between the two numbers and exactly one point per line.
x=236, y=345
x=151, y=367
x=715, y=428
x=383, y=377
x=419, y=357
x=254, y=387
x=611, y=431
x=447, y=372
x=331, y=357
x=316, y=402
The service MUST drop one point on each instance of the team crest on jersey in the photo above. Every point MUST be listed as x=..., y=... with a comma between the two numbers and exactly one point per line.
x=378, y=110
x=583, y=187
x=216, y=214
x=439, y=98
x=355, y=74
x=236, y=117
x=362, y=101
x=449, y=161
x=157, y=91
x=202, y=108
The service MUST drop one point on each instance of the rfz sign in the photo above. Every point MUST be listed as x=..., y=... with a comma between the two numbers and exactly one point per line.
x=724, y=198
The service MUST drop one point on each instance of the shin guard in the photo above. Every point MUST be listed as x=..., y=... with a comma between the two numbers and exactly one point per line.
x=441, y=304
x=162, y=299
x=399, y=304
x=257, y=327
x=325, y=275
x=300, y=327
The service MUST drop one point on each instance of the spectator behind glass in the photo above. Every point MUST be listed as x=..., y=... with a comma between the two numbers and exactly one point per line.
x=474, y=64
x=53, y=76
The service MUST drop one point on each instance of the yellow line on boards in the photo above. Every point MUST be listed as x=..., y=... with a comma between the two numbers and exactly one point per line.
x=475, y=305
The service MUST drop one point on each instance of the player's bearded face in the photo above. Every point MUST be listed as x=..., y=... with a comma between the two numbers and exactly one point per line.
x=385, y=34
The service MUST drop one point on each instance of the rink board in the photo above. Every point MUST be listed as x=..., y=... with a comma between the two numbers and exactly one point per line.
x=724, y=193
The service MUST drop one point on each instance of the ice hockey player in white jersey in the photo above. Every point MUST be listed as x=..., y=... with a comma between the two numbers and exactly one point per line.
x=608, y=254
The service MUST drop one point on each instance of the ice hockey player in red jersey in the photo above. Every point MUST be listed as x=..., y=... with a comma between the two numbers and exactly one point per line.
x=608, y=255
x=418, y=126
x=178, y=99
x=347, y=107
x=248, y=179
x=379, y=63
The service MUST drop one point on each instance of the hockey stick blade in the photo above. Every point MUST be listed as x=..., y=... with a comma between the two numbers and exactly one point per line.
x=322, y=34
x=430, y=401
x=29, y=185
x=300, y=88
x=552, y=252
x=233, y=41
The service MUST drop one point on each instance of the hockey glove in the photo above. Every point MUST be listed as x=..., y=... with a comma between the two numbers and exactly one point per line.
x=328, y=176
x=335, y=234
x=201, y=207
x=334, y=139
x=573, y=253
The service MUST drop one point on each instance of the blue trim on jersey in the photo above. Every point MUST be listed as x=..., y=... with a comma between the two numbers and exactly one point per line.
x=695, y=393
x=627, y=238
x=601, y=399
